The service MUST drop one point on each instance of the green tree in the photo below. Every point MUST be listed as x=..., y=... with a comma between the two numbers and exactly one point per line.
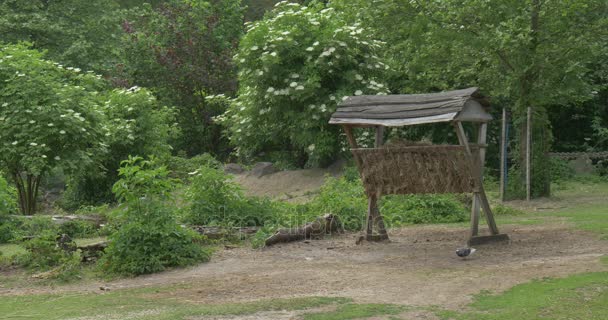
x=78, y=33
x=183, y=50
x=295, y=65
x=530, y=53
x=48, y=117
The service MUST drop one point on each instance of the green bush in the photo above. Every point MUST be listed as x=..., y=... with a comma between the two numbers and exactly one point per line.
x=18, y=228
x=181, y=167
x=345, y=197
x=149, y=239
x=8, y=198
x=560, y=170
x=43, y=252
x=295, y=66
x=137, y=124
x=215, y=200
x=79, y=229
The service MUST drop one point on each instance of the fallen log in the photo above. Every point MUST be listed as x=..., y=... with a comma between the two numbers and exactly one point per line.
x=317, y=229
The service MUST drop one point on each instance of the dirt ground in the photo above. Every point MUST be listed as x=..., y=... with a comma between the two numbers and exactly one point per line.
x=417, y=267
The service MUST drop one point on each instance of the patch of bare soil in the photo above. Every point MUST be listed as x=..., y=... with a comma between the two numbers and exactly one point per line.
x=293, y=186
x=417, y=267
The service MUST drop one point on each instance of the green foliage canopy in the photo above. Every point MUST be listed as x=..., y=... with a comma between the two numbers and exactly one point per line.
x=77, y=33
x=49, y=117
x=182, y=50
x=295, y=65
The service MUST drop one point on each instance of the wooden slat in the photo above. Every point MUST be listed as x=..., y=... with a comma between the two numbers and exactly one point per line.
x=407, y=98
x=403, y=114
x=394, y=122
x=392, y=107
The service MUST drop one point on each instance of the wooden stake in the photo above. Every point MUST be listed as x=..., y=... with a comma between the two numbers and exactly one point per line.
x=528, y=151
x=503, y=154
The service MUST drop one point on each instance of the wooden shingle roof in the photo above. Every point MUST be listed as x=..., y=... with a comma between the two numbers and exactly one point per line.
x=410, y=109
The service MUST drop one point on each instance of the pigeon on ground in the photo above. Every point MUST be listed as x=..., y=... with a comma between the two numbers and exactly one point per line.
x=465, y=252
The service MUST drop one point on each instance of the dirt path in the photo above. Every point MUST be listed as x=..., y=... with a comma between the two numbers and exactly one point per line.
x=418, y=267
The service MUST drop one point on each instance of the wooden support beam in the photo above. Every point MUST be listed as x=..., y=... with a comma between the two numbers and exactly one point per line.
x=350, y=137
x=369, y=221
x=479, y=192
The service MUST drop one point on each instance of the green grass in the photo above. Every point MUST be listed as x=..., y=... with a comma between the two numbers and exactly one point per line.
x=10, y=250
x=356, y=311
x=592, y=218
x=149, y=303
x=582, y=296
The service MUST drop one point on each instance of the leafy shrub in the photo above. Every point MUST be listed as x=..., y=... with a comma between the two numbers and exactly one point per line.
x=345, y=197
x=17, y=228
x=79, y=229
x=295, y=66
x=8, y=198
x=181, y=167
x=416, y=209
x=137, y=124
x=43, y=252
x=560, y=170
x=149, y=238
x=215, y=200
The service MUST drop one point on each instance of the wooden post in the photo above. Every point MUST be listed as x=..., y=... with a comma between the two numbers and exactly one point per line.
x=479, y=192
x=528, y=162
x=379, y=136
x=350, y=137
x=376, y=216
x=503, y=154
x=481, y=142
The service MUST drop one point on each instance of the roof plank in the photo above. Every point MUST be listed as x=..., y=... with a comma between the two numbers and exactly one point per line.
x=408, y=109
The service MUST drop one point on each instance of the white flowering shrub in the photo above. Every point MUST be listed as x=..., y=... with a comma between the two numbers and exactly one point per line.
x=295, y=66
x=136, y=124
x=48, y=117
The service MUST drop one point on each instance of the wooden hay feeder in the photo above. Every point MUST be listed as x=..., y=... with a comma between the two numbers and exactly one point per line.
x=420, y=169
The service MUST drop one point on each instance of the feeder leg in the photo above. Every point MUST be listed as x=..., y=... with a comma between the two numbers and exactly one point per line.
x=485, y=205
x=369, y=223
x=374, y=218
x=475, y=215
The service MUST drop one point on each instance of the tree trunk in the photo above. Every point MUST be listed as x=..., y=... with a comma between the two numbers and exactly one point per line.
x=27, y=190
x=540, y=134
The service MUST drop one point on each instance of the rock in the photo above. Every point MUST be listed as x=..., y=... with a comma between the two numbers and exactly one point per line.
x=263, y=168
x=233, y=168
